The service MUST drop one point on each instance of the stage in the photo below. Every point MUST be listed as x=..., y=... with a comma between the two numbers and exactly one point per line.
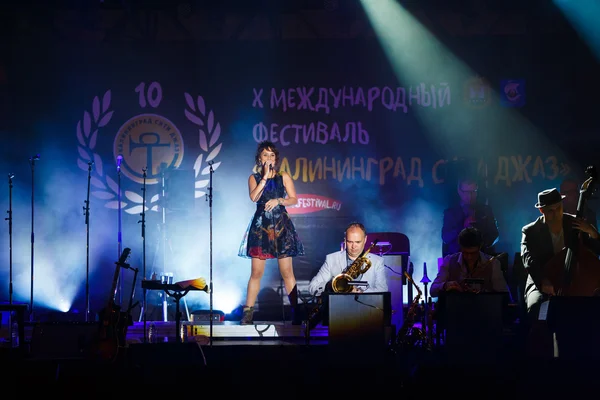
x=267, y=358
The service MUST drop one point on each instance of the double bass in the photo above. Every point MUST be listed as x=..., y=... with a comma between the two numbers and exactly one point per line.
x=575, y=271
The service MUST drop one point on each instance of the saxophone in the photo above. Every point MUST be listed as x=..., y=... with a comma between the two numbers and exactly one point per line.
x=409, y=335
x=341, y=282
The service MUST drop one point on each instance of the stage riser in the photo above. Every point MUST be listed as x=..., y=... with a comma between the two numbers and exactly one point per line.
x=227, y=330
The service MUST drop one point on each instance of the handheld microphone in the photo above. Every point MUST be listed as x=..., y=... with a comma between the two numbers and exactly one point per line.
x=11, y=175
x=270, y=167
x=34, y=158
x=119, y=160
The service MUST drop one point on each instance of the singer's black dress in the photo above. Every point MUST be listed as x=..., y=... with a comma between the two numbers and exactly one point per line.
x=271, y=234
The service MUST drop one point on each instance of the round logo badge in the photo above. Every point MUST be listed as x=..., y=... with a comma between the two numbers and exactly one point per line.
x=477, y=92
x=148, y=141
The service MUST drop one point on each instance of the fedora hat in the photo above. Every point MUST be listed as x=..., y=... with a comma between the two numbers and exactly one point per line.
x=548, y=197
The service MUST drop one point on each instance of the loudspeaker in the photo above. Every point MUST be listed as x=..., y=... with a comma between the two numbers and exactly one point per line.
x=62, y=340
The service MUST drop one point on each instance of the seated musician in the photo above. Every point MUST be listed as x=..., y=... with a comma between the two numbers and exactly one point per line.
x=355, y=238
x=542, y=240
x=470, y=269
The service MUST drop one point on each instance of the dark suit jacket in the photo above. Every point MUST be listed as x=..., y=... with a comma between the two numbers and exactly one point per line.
x=537, y=251
x=590, y=216
x=454, y=218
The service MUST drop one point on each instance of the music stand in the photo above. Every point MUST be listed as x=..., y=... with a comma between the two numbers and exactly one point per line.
x=473, y=324
x=359, y=319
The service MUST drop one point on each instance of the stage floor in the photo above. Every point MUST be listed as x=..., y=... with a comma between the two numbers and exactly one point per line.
x=266, y=358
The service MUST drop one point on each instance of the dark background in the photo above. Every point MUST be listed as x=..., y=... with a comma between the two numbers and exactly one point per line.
x=56, y=59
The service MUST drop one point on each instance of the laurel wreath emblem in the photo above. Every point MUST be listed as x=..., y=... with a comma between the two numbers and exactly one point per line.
x=209, y=132
x=106, y=188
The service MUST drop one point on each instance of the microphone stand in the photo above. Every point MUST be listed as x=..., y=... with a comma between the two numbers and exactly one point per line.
x=210, y=230
x=163, y=232
x=9, y=219
x=32, y=161
x=119, y=238
x=10, y=263
x=427, y=303
x=86, y=212
x=143, y=222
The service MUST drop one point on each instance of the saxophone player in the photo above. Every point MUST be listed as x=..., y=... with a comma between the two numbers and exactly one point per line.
x=355, y=238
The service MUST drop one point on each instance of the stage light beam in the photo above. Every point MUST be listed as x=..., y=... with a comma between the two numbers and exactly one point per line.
x=583, y=16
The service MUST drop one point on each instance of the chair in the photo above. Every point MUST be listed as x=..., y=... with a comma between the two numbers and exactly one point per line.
x=395, y=254
x=399, y=245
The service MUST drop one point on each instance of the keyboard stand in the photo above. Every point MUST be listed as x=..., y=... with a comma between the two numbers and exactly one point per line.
x=177, y=293
x=177, y=296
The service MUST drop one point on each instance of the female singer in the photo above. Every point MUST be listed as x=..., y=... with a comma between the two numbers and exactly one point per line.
x=271, y=233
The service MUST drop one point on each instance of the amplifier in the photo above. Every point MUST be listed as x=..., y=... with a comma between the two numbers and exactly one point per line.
x=204, y=316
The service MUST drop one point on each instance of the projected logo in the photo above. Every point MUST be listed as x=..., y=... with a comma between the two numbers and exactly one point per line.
x=146, y=141
x=477, y=93
x=310, y=203
x=512, y=92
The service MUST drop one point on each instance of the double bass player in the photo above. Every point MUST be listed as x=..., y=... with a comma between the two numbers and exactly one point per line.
x=542, y=245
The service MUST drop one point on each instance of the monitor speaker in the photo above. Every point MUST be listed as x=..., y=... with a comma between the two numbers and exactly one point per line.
x=62, y=340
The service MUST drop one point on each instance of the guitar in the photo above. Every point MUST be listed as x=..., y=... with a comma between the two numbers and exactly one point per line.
x=113, y=322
